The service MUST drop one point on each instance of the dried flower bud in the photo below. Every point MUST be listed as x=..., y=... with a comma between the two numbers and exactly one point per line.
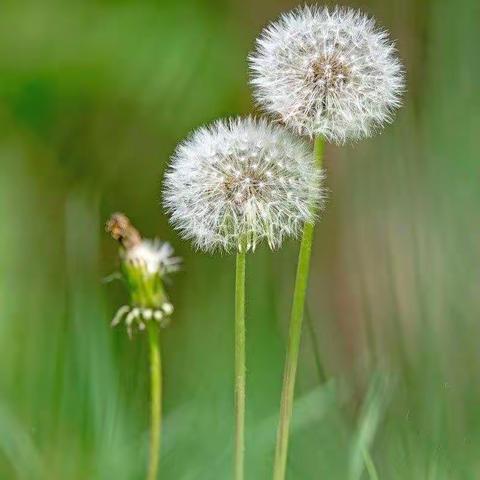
x=123, y=231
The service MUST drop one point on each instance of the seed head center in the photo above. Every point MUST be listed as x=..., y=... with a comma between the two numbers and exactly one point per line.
x=330, y=72
x=243, y=184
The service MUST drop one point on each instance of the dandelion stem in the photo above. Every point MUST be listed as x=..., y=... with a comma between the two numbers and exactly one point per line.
x=370, y=466
x=240, y=365
x=294, y=335
x=156, y=399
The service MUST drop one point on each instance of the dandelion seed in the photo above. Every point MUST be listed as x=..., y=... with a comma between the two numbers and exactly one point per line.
x=328, y=73
x=227, y=185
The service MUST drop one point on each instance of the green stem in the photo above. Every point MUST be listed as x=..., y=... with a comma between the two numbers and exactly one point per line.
x=156, y=400
x=240, y=365
x=294, y=335
x=370, y=466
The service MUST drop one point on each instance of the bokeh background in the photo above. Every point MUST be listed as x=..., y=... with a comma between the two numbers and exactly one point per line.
x=94, y=96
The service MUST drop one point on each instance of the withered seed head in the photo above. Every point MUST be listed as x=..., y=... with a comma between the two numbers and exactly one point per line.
x=123, y=231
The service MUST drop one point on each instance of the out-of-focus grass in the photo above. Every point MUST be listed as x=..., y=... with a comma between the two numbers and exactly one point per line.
x=93, y=98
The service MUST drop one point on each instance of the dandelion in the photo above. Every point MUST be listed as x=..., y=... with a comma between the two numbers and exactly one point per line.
x=238, y=182
x=230, y=186
x=144, y=265
x=329, y=75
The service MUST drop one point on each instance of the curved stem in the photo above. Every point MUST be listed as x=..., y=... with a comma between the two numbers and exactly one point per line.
x=240, y=365
x=294, y=335
x=156, y=400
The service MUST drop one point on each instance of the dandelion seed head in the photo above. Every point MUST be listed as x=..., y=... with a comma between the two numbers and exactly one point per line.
x=144, y=266
x=329, y=73
x=153, y=256
x=226, y=188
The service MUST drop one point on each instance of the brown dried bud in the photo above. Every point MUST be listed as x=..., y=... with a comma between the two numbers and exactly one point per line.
x=123, y=231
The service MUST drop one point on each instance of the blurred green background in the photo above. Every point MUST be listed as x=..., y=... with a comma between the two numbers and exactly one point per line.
x=94, y=96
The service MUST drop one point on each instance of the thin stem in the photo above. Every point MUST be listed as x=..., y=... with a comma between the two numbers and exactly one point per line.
x=294, y=335
x=370, y=466
x=156, y=400
x=240, y=366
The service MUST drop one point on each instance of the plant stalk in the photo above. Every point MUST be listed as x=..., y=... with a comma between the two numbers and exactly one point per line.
x=240, y=365
x=370, y=465
x=156, y=399
x=294, y=336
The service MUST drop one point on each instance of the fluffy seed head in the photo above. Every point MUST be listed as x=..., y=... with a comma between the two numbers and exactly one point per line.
x=151, y=257
x=327, y=73
x=237, y=182
x=154, y=256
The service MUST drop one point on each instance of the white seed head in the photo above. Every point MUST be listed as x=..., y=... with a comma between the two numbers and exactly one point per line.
x=327, y=73
x=237, y=182
x=154, y=256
